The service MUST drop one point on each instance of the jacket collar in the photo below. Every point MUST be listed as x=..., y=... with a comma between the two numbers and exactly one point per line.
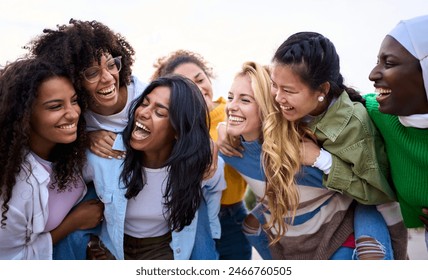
x=335, y=119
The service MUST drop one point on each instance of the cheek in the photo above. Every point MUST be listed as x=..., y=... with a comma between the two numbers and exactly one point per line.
x=208, y=87
x=117, y=78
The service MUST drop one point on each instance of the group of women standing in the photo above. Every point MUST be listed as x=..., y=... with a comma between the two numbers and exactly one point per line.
x=103, y=166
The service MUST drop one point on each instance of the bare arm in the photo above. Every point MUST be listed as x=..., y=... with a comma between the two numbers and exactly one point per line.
x=228, y=145
x=86, y=215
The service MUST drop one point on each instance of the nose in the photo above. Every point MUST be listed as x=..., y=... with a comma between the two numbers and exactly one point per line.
x=142, y=112
x=279, y=98
x=73, y=112
x=200, y=88
x=105, y=75
x=375, y=74
x=231, y=105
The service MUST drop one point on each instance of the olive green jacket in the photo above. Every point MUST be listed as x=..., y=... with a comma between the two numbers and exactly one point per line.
x=360, y=165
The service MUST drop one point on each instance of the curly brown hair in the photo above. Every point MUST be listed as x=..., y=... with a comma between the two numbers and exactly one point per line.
x=75, y=46
x=19, y=84
x=167, y=64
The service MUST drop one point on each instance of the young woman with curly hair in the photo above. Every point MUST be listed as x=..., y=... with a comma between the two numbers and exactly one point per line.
x=99, y=63
x=42, y=151
x=100, y=60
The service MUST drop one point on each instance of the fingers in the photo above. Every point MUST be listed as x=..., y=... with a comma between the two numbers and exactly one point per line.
x=424, y=219
x=107, y=153
x=230, y=151
x=101, y=144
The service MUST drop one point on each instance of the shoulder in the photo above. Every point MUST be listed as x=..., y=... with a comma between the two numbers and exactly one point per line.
x=371, y=104
x=137, y=85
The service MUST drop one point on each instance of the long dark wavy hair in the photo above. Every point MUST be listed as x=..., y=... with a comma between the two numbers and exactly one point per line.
x=75, y=46
x=314, y=58
x=189, y=158
x=19, y=84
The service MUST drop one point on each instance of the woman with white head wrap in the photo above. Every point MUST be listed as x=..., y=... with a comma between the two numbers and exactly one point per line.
x=400, y=111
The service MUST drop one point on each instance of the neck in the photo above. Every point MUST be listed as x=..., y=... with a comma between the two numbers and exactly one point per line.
x=155, y=160
x=120, y=104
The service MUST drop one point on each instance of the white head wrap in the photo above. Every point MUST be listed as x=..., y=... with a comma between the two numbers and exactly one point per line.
x=412, y=34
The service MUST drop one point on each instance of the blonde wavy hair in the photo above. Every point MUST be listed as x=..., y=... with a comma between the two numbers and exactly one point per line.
x=280, y=151
x=281, y=162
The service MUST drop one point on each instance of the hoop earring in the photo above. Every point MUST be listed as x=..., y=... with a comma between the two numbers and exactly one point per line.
x=320, y=98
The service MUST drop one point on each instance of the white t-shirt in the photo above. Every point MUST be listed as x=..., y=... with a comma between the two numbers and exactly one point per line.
x=145, y=212
x=116, y=122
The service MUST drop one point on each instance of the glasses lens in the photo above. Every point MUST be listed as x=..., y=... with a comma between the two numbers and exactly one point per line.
x=113, y=66
x=92, y=74
x=118, y=63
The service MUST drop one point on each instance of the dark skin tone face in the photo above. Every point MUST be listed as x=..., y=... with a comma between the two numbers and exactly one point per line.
x=398, y=79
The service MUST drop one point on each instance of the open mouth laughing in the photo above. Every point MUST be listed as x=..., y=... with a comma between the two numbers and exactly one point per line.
x=141, y=131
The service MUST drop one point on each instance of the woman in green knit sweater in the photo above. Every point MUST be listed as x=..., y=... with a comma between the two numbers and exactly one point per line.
x=400, y=111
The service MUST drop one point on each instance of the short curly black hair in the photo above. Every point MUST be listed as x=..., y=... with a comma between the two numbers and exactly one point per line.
x=75, y=46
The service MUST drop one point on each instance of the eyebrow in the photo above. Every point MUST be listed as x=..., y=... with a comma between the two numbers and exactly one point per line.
x=243, y=94
x=157, y=104
x=162, y=106
x=57, y=100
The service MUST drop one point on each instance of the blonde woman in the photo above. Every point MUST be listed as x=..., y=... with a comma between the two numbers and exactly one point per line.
x=305, y=220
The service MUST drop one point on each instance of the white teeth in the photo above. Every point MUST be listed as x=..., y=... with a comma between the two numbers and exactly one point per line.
x=142, y=126
x=236, y=119
x=69, y=126
x=107, y=90
x=287, y=108
x=382, y=91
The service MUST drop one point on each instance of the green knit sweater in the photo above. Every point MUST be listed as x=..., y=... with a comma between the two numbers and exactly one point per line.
x=407, y=150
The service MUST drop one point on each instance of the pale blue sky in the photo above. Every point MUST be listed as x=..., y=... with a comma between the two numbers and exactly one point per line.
x=225, y=32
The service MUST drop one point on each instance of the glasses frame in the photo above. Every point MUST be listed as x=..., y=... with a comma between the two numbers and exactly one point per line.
x=117, y=61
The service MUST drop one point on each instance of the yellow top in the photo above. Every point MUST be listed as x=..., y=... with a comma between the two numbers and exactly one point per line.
x=236, y=185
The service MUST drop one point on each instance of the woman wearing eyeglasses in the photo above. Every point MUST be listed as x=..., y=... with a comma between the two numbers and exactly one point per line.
x=99, y=62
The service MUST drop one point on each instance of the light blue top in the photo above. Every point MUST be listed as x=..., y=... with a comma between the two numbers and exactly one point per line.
x=105, y=173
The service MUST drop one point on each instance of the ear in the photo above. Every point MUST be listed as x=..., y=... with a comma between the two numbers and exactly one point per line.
x=325, y=88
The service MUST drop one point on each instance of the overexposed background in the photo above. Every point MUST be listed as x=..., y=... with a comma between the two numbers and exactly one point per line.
x=225, y=32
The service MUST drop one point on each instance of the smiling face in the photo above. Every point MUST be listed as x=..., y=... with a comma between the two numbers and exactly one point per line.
x=243, y=117
x=295, y=98
x=153, y=133
x=54, y=116
x=199, y=77
x=398, y=79
x=104, y=93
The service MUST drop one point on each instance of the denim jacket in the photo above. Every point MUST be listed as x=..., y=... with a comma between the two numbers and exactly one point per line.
x=105, y=174
x=360, y=165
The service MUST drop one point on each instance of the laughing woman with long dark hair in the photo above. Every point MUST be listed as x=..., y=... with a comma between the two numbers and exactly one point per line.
x=168, y=151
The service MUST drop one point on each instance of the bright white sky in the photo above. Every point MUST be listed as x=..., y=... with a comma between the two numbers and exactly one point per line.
x=225, y=32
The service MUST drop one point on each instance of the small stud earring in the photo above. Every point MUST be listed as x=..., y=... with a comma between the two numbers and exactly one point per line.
x=320, y=98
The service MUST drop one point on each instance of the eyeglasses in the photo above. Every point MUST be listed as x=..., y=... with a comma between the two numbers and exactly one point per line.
x=93, y=74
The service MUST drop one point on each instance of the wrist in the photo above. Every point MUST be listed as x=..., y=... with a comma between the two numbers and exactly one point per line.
x=324, y=161
x=221, y=124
